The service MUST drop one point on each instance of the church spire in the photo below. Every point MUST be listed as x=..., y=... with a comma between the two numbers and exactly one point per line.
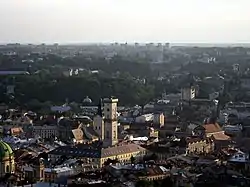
x=99, y=110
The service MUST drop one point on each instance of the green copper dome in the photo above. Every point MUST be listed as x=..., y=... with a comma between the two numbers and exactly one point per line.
x=5, y=150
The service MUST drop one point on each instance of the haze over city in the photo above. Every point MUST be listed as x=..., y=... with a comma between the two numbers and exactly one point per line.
x=80, y=21
x=125, y=93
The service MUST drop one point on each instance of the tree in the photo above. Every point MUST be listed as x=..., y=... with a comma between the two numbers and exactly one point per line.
x=151, y=157
x=144, y=183
x=129, y=92
x=156, y=183
x=154, y=157
x=132, y=160
x=167, y=182
x=108, y=162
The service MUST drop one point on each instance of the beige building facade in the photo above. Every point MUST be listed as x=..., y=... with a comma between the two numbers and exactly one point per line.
x=46, y=131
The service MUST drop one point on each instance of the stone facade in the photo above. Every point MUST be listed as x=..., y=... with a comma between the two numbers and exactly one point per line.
x=199, y=146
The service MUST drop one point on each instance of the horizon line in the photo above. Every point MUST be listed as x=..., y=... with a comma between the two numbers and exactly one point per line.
x=128, y=43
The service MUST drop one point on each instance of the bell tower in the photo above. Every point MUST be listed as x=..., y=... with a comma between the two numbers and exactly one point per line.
x=98, y=123
x=110, y=122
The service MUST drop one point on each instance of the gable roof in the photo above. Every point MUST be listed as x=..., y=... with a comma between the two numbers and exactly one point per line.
x=91, y=152
x=220, y=136
x=122, y=149
x=212, y=128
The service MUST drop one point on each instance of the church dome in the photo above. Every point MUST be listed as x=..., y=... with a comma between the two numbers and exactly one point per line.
x=5, y=150
x=87, y=100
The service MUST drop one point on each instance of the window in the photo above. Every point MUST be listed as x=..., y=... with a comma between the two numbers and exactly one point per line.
x=107, y=134
x=7, y=169
x=108, y=109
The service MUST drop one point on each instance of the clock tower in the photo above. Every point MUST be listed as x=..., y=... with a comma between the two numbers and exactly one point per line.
x=110, y=122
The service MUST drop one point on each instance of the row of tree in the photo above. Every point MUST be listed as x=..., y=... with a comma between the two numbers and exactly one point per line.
x=48, y=87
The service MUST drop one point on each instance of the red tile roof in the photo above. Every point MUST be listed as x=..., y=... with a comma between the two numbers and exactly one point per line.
x=212, y=128
x=221, y=136
x=122, y=149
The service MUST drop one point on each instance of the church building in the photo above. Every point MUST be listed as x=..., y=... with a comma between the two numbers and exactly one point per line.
x=105, y=122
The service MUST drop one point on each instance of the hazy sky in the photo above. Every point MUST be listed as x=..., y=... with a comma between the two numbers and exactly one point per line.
x=67, y=21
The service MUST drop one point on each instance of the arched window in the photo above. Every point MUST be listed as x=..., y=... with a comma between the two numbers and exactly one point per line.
x=7, y=169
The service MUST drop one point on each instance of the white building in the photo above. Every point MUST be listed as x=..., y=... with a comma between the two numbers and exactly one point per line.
x=60, y=171
x=239, y=157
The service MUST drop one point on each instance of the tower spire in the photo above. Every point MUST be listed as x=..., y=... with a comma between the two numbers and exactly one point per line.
x=99, y=110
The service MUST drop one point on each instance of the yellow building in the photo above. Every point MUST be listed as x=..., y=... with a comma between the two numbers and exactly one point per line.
x=7, y=164
x=199, y=146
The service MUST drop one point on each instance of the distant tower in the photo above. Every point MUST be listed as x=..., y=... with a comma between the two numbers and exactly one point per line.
x=98, y=123
x=10, y=87
x=236, y=68
x=110, y=122
x=188, y=93
x=167, y=45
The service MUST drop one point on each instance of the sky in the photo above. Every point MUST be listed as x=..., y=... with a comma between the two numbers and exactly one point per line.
x=85, y=21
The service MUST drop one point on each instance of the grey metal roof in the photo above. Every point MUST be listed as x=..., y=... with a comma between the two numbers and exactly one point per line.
x=76, y=152
x=90, y=152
